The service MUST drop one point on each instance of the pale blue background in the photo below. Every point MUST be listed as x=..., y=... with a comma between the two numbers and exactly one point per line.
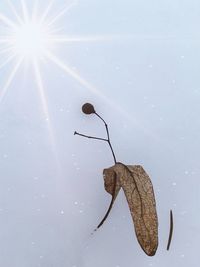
x=150, y=76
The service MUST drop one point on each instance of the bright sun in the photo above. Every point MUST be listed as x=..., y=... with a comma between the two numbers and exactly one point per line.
x=31, y=34
x=30, y=40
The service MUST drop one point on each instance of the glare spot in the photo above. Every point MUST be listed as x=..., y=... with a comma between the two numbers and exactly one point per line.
x=30, y=40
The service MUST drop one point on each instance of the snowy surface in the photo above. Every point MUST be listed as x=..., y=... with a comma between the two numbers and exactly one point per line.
x=51, y=185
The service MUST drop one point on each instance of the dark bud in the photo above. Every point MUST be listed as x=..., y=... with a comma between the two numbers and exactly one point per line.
x=88, y=108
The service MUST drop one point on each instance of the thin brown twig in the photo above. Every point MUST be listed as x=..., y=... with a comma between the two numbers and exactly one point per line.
x=108, y=136
x=90, y=137
x=170, y=230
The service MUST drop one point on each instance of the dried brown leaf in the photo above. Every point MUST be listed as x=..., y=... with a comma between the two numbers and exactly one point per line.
x=139, y=193
x=111, y=186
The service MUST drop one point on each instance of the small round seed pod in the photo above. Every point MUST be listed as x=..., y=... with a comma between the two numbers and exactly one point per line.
x=88, y=108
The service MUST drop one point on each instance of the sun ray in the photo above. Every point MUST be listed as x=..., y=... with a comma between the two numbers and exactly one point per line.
x=4, y=40
x=46, y=12
x=10, y=79
x=15, y=12
x=46, y=112
x=7, y=21
x=35, y=10
x=98, y=38
x=41, y=88
x=120, y=38
x=5, y=50
x=24, y=10
x=7, y=61
x=43, y=100
x=61, y=13
x=72, y=73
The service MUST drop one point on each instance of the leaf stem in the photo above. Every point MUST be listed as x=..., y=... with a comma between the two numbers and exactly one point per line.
x=108, y=136
x=90, y=137
x=99, y=138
